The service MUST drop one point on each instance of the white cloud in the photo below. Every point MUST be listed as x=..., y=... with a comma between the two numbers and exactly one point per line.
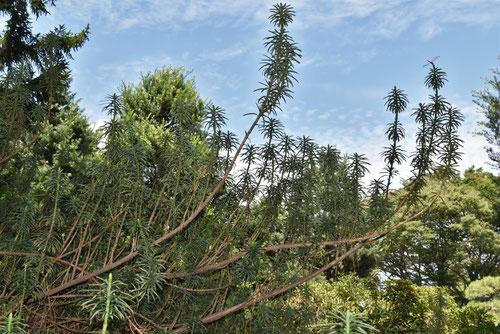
x=97, y=124
x=130, y=71
x=125, y=14
x=315, y=61
x=324, y=116
x=429, y=29
x=388, y=18
x=224, y=54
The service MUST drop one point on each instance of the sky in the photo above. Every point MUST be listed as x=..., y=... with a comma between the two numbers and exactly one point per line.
x=354, y=52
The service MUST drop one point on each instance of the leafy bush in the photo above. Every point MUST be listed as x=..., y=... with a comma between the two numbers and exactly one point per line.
x=473, y=320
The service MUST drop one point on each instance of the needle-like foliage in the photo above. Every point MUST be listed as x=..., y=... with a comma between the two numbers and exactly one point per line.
x=188, y=224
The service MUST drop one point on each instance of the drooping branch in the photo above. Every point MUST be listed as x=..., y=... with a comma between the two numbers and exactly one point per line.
x=221, y=314
x=372, y=235
x=278, y=81
x=179, y=228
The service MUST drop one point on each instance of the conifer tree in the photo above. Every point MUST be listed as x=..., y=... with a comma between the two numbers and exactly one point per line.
x=488, y=101
x=183, y=237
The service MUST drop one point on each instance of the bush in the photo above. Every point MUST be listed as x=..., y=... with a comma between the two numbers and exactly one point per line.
x=473, y=320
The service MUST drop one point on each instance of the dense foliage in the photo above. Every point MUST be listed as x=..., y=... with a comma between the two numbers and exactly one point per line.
x=399, y=306
x=455, y=243
x=164, y=221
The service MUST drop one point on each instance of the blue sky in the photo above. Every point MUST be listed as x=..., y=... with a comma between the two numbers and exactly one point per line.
x=354, y=52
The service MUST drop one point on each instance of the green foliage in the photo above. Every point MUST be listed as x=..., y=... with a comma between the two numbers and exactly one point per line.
x=407, y=311
x=397, y=306
x=165, y=96
x=347, y=323
x=107, y=301
x=34, y=72
x=473, y=320
x=12, y=325
x=488, y=287
x=488, y=102
x=188, y=239
x=395, y=102
x=455, y=243
x=485, y=294
x=437, y=132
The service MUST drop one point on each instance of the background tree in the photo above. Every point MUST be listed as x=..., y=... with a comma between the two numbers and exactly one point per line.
x=454, y=244
x=485, y=293
x=488, y=101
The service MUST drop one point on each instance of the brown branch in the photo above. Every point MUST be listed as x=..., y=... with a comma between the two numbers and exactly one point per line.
x=225, y=263
x=179, y=228
x=113, y=220
x=70, y=236
x=50, y=258
x=221, y=314
x=89, y=276
x=374, y=237
x=196, y=290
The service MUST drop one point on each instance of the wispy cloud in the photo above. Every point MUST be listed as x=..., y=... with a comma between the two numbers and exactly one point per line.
x=318, y=60
x=429, y=29
x=324, y=116
x=387, y=19
x=224, y=54
x=125, y=14
x=114, y=73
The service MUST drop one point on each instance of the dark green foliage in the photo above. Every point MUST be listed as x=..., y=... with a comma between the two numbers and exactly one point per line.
x=278, y=66
x=395, y=102
x=437, y=132
x=406, y=313
x=35, y=75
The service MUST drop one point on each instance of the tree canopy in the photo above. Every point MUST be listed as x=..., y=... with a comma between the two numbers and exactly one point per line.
x=455, y=243
x=488, y=101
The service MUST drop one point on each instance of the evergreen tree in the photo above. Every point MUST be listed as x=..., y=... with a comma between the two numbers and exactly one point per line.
x=186, y=241
x=488, y=102
x=35, y=75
